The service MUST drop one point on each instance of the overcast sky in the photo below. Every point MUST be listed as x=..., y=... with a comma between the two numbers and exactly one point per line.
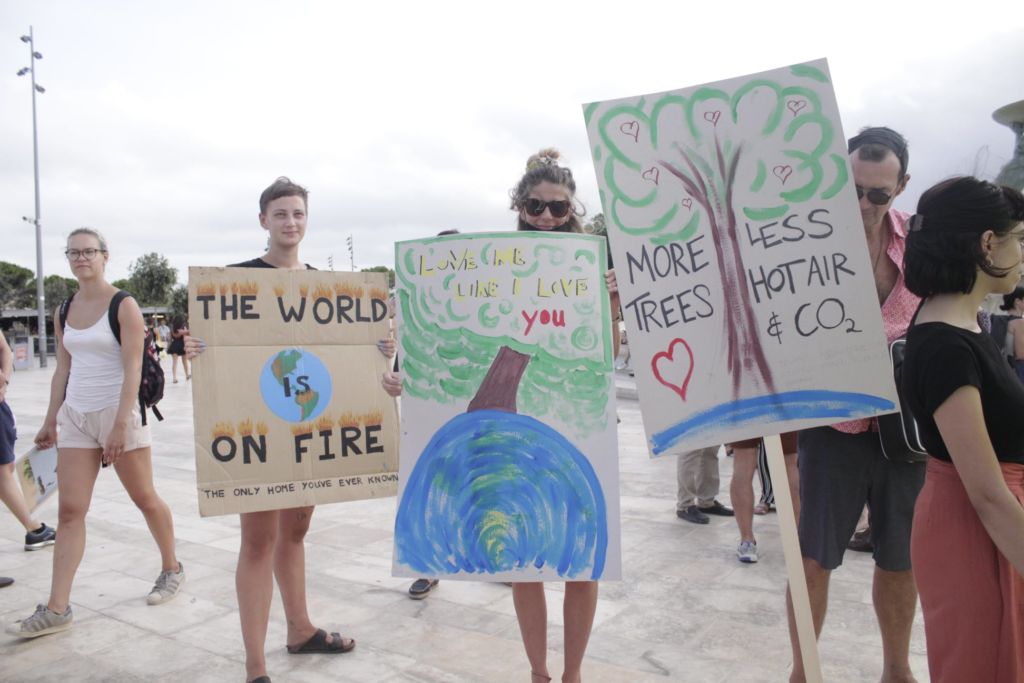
x=162, y=123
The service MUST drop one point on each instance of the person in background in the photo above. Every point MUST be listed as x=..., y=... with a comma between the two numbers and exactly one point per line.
x=37, y=534
x=968, y=533
x=697, y=486
x=1013, y=303
x=179, y=330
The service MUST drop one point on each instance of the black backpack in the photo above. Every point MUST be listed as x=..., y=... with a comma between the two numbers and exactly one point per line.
x=151, y=386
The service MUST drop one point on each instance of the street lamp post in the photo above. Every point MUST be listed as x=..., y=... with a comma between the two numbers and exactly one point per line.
x=40, y=296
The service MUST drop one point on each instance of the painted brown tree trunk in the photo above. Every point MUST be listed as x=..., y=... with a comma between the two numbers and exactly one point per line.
x=500, y=385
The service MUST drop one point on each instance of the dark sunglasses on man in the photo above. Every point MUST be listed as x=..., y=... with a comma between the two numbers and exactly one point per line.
x=558, y=208
x=875, y=196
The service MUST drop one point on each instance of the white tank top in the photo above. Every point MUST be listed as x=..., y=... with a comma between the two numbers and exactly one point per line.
x=97, y=371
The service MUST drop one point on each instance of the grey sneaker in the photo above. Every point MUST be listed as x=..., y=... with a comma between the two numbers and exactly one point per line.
x=167, y=586
x=42, y=622
x=747, y=552
x=40, y=538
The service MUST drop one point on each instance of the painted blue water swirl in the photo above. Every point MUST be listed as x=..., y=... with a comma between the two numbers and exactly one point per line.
x=498, y=492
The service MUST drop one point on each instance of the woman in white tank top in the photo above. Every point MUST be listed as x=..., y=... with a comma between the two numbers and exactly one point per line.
x=93, y=419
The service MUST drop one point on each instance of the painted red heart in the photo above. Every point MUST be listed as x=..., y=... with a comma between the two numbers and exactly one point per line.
x=651, y=174
x=712, y=116
x=687, y=202
x=782, y=173
x=795, y=106
x=674, y=367
x=631, y=129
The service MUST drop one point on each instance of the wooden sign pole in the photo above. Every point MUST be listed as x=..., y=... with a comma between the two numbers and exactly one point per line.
x=794, y=560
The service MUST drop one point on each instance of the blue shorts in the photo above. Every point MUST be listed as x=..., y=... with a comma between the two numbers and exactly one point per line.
x=8, y=434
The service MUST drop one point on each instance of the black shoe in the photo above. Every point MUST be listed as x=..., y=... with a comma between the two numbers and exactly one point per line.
x=691, y=513
x=421, y=588
x=43, y=536
x=5, y=581
x=861, y=541
x=717, y=508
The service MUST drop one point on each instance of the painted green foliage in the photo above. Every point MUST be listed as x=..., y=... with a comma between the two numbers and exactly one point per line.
x=446, y=355
x=788, y=118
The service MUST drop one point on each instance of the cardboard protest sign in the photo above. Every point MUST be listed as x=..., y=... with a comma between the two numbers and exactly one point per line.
x=741, y=258
x=509, y=466
x=288, y=406
x=37, y=471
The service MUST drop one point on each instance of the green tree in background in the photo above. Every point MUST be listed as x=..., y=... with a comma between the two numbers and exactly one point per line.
x=152, y=279
x=179, y=301
x=382, y=269
x=17, y=286
x=56, y=289
x=123, y=283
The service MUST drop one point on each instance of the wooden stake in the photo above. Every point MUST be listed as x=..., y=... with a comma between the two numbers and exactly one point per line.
x=794, y=559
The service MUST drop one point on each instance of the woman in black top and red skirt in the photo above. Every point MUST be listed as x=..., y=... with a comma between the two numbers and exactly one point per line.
x=968, y=538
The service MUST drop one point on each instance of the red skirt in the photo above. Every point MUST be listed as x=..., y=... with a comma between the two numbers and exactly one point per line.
x=971, y=596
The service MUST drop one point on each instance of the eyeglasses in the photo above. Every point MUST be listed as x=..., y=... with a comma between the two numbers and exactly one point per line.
x=875, y=196
x=558, y=208
x=88, y=254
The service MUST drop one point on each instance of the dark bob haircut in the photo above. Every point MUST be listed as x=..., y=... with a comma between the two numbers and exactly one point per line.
x=944, y=249
x=1013, y=297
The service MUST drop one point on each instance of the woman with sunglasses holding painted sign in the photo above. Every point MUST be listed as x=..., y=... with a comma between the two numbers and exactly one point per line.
x=93, y=418
x=545, y=198
x=968, y=535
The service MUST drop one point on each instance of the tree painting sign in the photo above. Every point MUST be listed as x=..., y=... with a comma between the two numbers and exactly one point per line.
x=741, y=259
x=288, y=406
x=509, y=457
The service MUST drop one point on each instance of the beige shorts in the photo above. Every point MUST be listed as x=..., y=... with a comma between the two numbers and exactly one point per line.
x=90, y=430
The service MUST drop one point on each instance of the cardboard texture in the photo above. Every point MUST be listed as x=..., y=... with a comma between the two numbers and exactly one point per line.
x=288, y=407
x=37, y=472
x=509, y=455
x=740, y=256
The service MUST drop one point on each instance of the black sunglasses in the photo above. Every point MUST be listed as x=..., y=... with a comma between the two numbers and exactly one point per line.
x=558, y=208
x=876, y=197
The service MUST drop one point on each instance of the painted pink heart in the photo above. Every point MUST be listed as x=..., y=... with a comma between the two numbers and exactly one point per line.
x=782, y=173
x=795, y=106
x=631, y=129
x=687, y=202
x=712, y=116
x=651, y=174
x=678, y=370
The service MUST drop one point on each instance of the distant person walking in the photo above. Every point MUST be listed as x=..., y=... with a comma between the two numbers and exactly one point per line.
x=179, y=330
x=93, y=418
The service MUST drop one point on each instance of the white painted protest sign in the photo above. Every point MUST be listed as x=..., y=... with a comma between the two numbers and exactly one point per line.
x=741, y=259
x=509, y=459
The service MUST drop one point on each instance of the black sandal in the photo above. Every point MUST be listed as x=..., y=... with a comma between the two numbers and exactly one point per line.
x=318, y=644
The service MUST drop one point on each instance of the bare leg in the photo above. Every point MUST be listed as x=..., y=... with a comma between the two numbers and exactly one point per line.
x=76, y=476
x=14, y=499
x=817, y=590
x=135, y=469
x=254, y=584
x=578, y=611
x=532, y=612
x=290, y=572
x=895, y=598
x=741, y=490
x=184, y=364
x=174, y=367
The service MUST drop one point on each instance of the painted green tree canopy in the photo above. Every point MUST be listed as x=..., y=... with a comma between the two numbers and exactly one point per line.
x=462, y=298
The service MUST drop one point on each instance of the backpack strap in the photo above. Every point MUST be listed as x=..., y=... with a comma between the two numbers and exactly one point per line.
x=63, y=312
x=115, y=303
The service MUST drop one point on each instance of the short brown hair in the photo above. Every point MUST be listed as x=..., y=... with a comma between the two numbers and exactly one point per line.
x=282, y=187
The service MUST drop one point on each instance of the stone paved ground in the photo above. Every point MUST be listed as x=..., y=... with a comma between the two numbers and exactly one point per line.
x=686, y=610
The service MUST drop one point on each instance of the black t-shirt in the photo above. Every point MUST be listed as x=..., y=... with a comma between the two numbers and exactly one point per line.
x=259, y=263
x=940, y=359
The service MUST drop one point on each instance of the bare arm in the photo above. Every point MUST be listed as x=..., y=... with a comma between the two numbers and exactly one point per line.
x=1017, y=328
x=47, y=435
x=6, y=366
x=962, y=425
x=133, y=335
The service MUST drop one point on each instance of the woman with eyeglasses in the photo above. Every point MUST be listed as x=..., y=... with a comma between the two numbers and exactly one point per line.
x=93, y=418
x=545, y=198
x=967, y=544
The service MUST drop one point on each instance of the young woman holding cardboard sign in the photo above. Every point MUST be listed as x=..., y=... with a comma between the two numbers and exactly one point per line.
x=273, y=540
x=968, y=536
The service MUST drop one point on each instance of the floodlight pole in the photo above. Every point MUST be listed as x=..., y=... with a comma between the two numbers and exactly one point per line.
x=40, y=291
